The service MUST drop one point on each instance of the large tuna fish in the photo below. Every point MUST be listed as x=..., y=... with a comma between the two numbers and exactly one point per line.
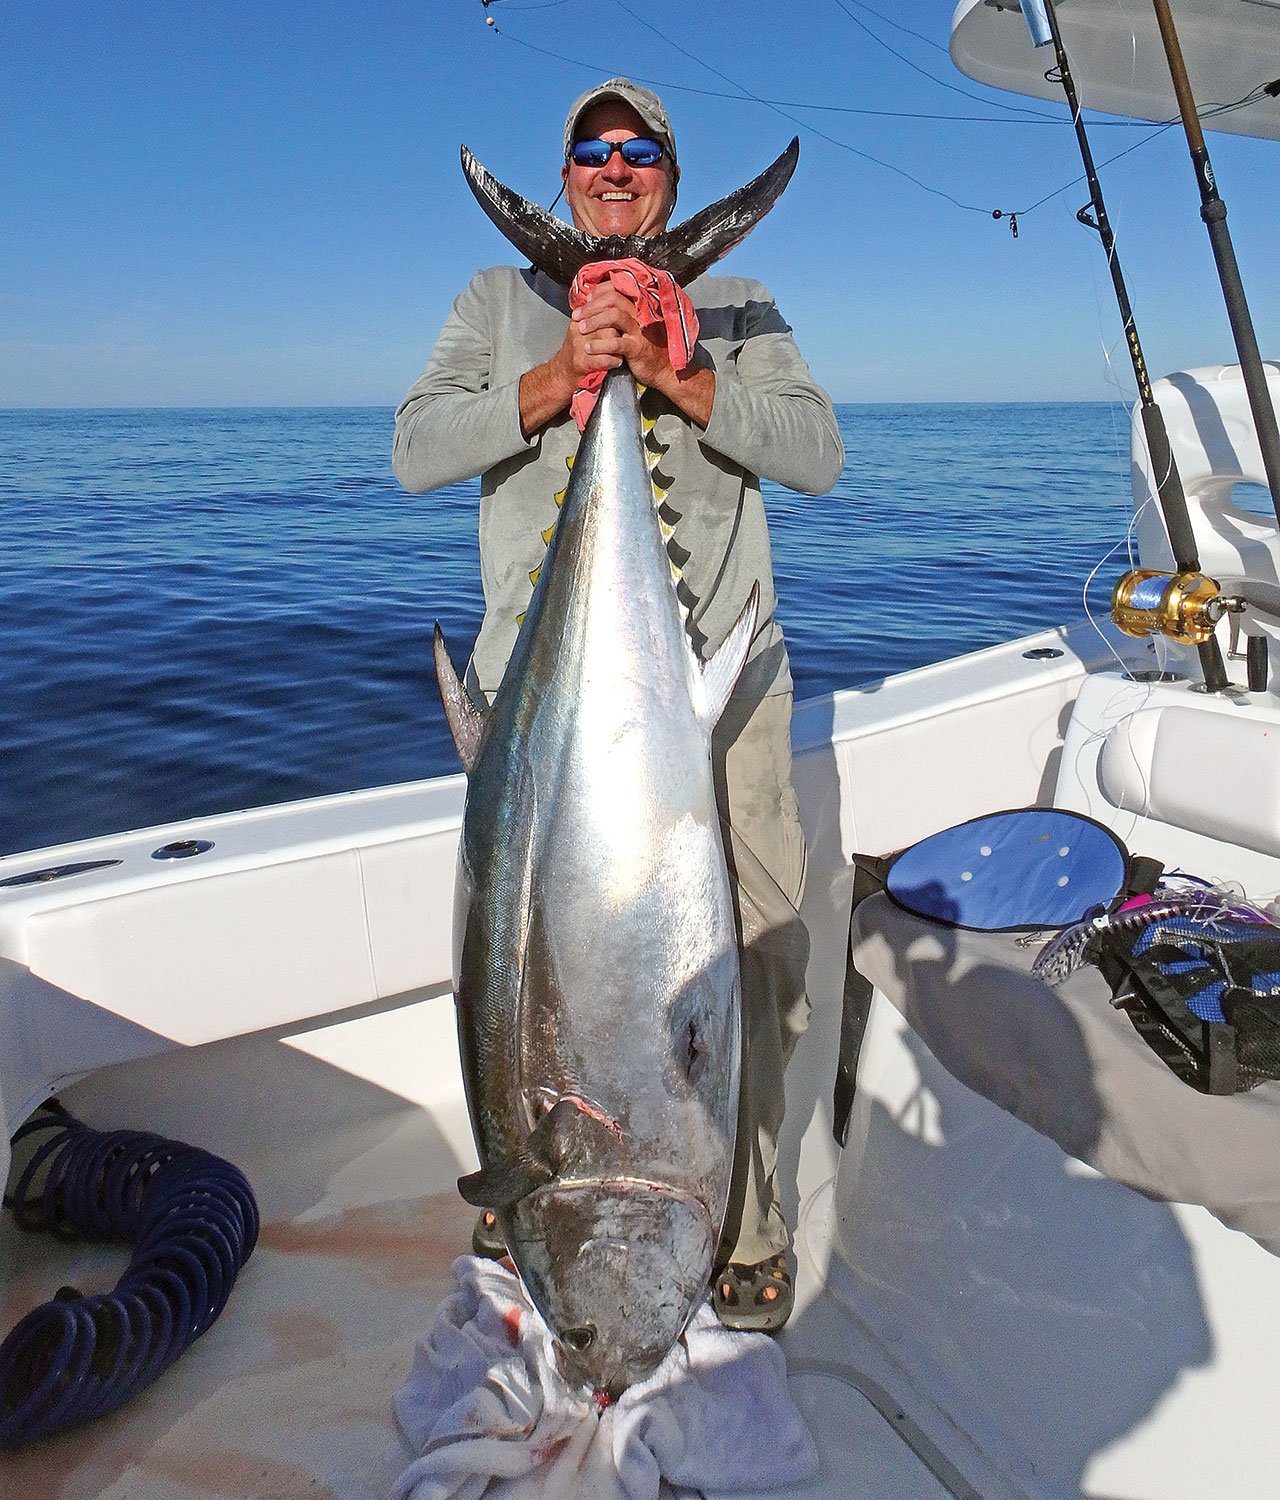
x=596, y=963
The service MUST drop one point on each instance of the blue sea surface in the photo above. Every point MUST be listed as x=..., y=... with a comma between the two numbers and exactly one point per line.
x=206, y=610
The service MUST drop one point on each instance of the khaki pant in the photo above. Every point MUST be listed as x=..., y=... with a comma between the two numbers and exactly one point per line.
x=751, y=755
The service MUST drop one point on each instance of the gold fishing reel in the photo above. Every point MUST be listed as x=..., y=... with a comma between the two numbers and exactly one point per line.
x=1183, y=606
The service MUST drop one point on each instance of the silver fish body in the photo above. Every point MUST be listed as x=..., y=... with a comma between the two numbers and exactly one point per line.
x=595, y=949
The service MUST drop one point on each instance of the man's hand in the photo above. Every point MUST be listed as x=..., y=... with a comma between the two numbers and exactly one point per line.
x=608, y=325
x=603, y=334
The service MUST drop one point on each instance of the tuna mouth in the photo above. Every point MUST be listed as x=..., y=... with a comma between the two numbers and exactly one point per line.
x=625, y=1186
x=612, y=1219
x=605, y=1383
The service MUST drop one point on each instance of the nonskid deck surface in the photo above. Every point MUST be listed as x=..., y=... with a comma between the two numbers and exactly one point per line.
x=290, y=1392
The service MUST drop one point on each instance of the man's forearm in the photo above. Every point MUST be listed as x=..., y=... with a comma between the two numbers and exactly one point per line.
x=787, y=435
x=693, y=392
x=544, y=393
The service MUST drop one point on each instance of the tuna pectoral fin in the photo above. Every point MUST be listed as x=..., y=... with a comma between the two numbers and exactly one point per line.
x=505, y=1181
x=466, y=720
x=721, y=673
x=535, y=1162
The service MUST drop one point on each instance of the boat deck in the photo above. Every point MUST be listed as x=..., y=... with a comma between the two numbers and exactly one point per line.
x=290, y=1392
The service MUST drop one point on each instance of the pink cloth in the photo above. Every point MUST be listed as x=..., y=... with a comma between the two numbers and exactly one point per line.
x=656, y=298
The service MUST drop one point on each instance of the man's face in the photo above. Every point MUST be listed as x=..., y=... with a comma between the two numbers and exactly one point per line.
x=616, y=198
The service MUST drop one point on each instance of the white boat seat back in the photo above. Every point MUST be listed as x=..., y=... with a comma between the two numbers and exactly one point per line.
x=1189, y=779
x=1215, y=445
x=1155, y=762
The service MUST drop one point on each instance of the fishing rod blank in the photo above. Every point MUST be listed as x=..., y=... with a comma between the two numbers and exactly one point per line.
x=1043, y=21
x=1214, y=213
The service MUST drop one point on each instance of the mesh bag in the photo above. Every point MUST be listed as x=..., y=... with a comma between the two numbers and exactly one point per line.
x=1257, y=1025
x=1204, y=995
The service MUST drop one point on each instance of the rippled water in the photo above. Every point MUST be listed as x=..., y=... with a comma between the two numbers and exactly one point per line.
x=208, y=610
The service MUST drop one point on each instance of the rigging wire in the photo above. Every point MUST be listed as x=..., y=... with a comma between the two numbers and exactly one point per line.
x=782, y=107
x=801, y=124
x=897, y=26
x=1152, y=129
x=530, y=5
x=838, y=109
x=1106, y=162
x=746, y=94
x=1211, y=111
x=1017, y=109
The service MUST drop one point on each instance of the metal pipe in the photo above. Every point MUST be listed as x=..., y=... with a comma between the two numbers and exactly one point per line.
x=1214, y=213
x=1169, y=491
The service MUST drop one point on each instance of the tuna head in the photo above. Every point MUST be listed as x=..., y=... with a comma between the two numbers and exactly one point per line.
x=616, y=1270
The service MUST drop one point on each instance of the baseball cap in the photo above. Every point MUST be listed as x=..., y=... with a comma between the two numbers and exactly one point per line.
x=644, y=101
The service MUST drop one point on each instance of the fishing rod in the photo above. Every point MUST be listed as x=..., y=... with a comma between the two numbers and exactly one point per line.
x=1214, y=213
x=1170, y=494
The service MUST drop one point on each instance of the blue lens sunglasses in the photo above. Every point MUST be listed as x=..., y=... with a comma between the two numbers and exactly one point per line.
x=639, y=151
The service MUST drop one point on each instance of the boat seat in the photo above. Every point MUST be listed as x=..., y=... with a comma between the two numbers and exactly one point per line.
x=1215, y=443
x=1065, y=1062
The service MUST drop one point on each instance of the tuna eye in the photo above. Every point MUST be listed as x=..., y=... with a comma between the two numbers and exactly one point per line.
x=580, y=1339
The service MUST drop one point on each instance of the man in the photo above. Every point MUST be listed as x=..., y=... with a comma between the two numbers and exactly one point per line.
x=494, y=400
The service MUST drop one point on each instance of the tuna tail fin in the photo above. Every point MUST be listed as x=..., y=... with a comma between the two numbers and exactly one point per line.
x=721, y=673
x=466, y=719
x=686, y=251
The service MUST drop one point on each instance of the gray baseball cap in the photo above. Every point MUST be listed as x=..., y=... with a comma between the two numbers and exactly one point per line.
x=644, y=101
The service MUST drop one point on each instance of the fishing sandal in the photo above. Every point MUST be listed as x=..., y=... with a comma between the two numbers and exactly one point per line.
x=758, y=1298
x=486, y=1237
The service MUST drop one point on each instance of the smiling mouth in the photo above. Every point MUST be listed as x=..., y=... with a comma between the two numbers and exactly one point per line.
x=617, y=197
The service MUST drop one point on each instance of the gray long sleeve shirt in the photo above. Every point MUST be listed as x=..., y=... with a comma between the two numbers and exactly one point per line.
x=769, y=419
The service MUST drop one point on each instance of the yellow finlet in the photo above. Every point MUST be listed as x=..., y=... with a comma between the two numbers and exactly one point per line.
x=660, y=494
x=648, y=423
x=667, y=529
x=549, y=533
x=568, y=463
x=560, y=497
x=533, y=577
x=520, y=618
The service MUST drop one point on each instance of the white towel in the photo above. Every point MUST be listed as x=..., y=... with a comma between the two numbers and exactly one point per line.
x=485, y=1402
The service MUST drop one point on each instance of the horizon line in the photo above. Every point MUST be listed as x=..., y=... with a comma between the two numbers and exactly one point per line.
x=247, y=406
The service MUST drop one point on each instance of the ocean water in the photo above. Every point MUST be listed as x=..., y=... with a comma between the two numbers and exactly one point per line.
x=214, y=609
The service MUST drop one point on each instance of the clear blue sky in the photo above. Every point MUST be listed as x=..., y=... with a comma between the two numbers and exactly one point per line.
x=254, y=202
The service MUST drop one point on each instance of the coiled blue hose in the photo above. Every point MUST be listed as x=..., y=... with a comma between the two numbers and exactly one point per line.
x=193, y=1221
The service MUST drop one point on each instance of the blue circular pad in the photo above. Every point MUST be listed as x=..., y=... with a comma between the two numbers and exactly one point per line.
x=1011, y=871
